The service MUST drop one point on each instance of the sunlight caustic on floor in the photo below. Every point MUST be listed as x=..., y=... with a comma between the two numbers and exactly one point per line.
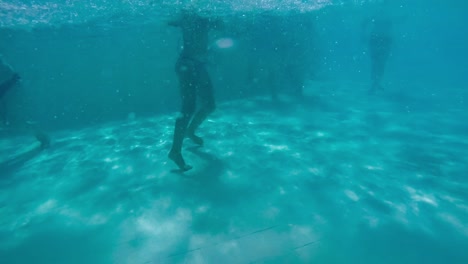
x=333, y=178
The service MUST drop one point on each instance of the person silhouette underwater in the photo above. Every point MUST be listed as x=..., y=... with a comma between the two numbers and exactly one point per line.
x=194, y=81
x=380, y=45
x=8, y=80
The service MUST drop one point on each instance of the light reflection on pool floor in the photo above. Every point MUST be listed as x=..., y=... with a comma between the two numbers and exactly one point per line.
x=332, y=179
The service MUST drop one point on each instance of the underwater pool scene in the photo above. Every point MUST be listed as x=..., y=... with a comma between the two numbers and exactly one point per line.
x=234, y=131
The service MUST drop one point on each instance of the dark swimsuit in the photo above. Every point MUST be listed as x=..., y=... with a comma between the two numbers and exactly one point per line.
x=194, y=81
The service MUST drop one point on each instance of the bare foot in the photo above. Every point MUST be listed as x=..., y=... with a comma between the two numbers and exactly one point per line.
x=179, y=160
x=196, y=139
x=43, y=139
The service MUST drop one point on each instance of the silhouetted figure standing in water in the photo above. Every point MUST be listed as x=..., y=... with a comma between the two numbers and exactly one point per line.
x=280, y=52
x=8, y=84
x=8, y=80
x=194, y=81
x=380, y=43
x=299, y=34
x=266, y=57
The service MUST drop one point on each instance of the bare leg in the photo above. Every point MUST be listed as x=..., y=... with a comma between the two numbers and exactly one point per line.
x=379, y=54
x=176, y=151
x=185, y=70
x=205, y=92
x=273, y=82
x=296, y=79
x=197, y=120
x=42, y=138
x=377, y=74
x=40, y=135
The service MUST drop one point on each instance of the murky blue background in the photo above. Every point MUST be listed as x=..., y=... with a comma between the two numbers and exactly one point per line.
x=338, y=177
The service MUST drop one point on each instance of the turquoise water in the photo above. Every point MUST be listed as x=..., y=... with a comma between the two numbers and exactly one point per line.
x=337, y=176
